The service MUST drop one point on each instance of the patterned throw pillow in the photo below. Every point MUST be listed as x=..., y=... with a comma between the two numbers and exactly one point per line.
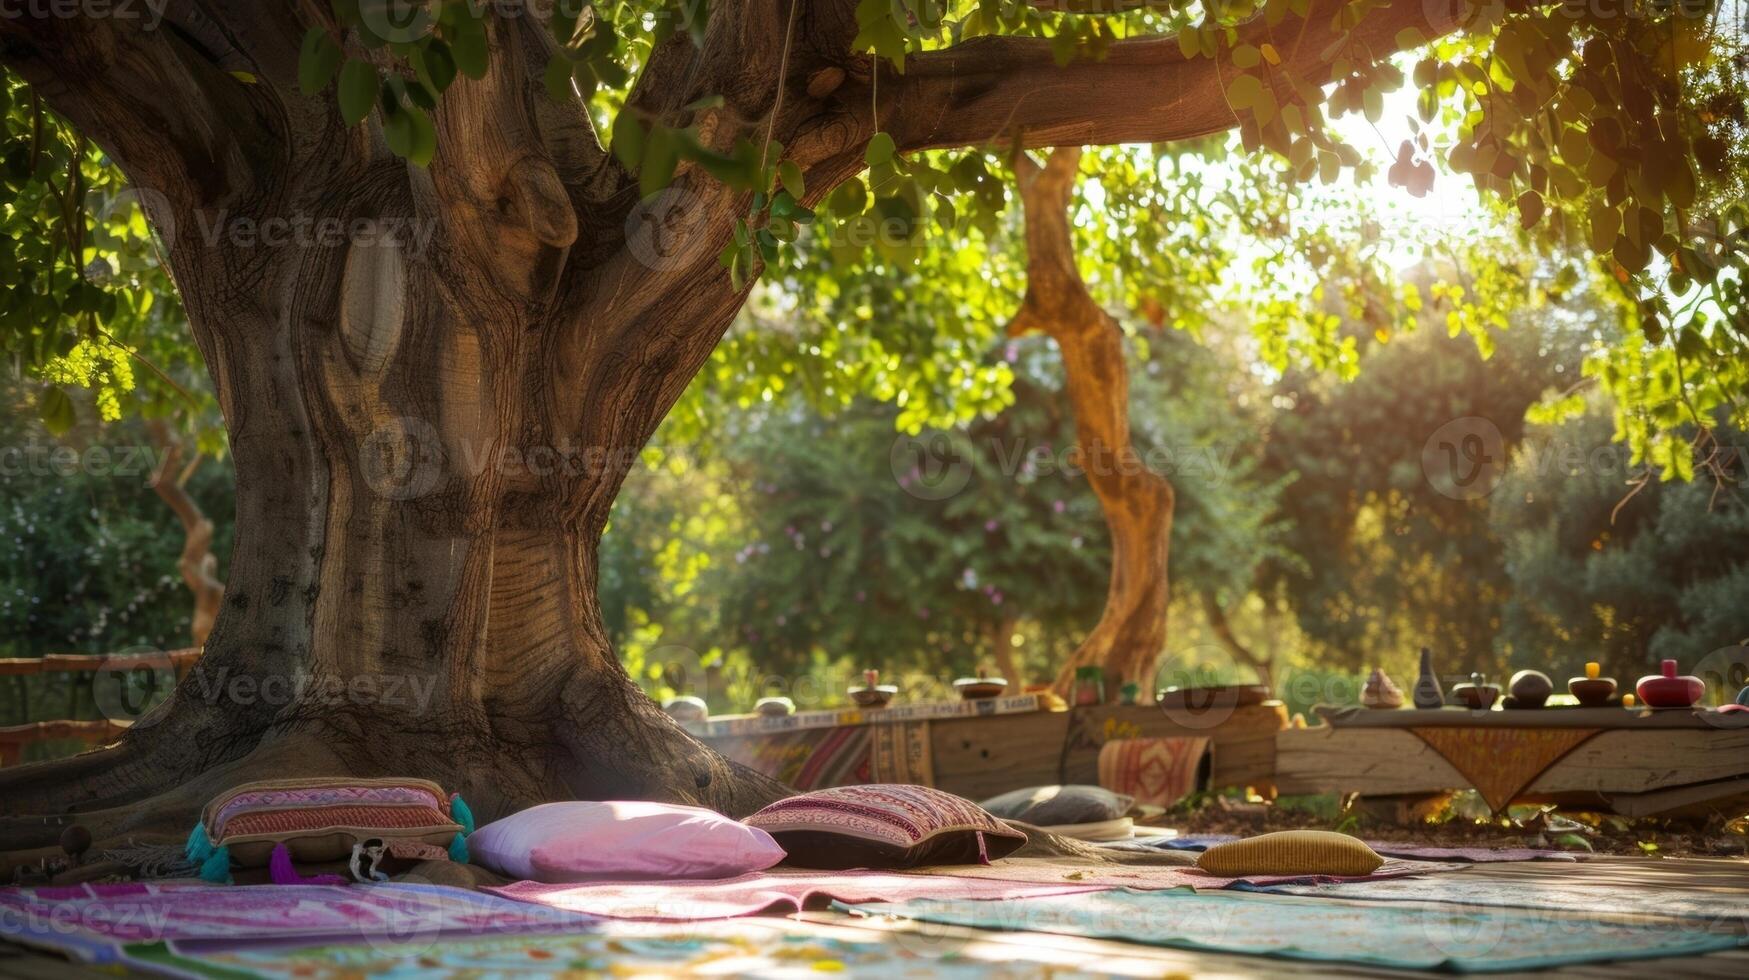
x=321, y=819
x=1049, y=806
x=1292, y=852
x=885, y=826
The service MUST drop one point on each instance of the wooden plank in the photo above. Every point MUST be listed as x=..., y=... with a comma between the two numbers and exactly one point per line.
x=101, y=730
x=978, y=758
x=88, y=663
x=1632, y=719
x=1243, y=738
x=1385, y=762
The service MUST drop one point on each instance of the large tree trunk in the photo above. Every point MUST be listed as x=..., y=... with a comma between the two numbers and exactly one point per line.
x=1136, y=501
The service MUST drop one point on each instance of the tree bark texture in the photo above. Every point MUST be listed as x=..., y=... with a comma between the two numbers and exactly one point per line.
x=431, y=412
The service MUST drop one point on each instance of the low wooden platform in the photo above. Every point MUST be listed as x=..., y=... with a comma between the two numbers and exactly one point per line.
x=1638, y=762
x=980, y=756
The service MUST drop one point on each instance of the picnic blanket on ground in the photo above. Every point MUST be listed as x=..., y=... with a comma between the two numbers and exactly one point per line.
x=1070, y=870
x=1720, y=905
x=782, y=889
x=1466, y=940
x=93, y=922
x=1472, y=855
x=743, y=947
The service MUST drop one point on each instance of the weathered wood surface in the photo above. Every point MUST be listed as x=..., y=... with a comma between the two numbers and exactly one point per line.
x=1629, y=719
x=1629, y=765
x=981, y=757
x=177, y=660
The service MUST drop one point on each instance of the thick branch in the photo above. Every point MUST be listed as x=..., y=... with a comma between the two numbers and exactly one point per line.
x=1223, y=630
x=1141, y=91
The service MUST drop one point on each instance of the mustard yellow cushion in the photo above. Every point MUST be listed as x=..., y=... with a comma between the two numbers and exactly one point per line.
x=1292, y=852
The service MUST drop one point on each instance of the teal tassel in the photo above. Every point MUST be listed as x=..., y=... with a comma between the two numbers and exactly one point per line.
x=200, y=846
x=459, y=812
x=217, y=867
x=458, y=849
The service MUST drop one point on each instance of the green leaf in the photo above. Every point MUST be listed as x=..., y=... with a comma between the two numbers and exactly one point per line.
x=56, y=411
x=435, y=66
x=789, y=174
x=1246, y=56
x=1244, y=92
x=661, y=156
x=317, y=61
x=880, y=150
x=468, y=45
x=558, y=78
x=358, y=91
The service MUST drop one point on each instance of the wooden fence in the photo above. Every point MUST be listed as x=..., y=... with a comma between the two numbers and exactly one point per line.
x=14, y=739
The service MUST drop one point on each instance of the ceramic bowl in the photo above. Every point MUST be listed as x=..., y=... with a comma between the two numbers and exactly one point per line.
x=873, y=697
x=1593, y=692
x=1477, y=697
x=979, y=688
x=775, y=707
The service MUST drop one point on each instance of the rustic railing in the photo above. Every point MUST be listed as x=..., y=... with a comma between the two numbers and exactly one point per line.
x=14, y=739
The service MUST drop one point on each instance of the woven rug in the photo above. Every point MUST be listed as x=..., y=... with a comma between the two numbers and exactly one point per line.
x=781, y=890
x=1416, y=852
x=1156, y=771
x=820, y=758
x=1389, y=935
x=741, y=948
x=92, y=922
x=1082, y=871
x=1724, y=906
x=1502, y=762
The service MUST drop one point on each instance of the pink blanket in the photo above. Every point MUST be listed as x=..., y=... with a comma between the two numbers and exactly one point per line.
x=785, y=890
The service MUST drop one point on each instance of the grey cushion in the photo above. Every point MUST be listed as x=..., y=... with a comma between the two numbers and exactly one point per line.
x=1051, y=805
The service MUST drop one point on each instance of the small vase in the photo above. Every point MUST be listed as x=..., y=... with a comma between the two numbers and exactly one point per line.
x=1427, y=692
x=1667, y=690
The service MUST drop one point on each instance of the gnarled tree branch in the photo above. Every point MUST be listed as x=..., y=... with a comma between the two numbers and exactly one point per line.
x=1141, y=91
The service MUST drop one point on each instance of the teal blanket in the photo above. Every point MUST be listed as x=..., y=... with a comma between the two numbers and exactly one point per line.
x=1421, y=937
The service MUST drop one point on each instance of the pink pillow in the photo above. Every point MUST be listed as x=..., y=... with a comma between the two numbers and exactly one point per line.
x=578, y=841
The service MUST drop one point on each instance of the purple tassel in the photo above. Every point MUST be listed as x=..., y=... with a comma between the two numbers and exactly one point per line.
x=280, y=866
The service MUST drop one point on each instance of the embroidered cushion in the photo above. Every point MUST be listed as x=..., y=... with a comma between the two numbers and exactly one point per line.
x=1292, y=852
x=321, y=819
x=885, y=825
x=1056, y=805
x=579, y=841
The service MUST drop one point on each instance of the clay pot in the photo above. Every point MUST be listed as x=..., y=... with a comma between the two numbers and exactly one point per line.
x=980, y=687
x=1667, y=690
x=872, y=693
x=1528, y=689
x=686, y=708
x=774, y=707
x=1381, y=691
x=1592, y=691
x=1476, y=695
